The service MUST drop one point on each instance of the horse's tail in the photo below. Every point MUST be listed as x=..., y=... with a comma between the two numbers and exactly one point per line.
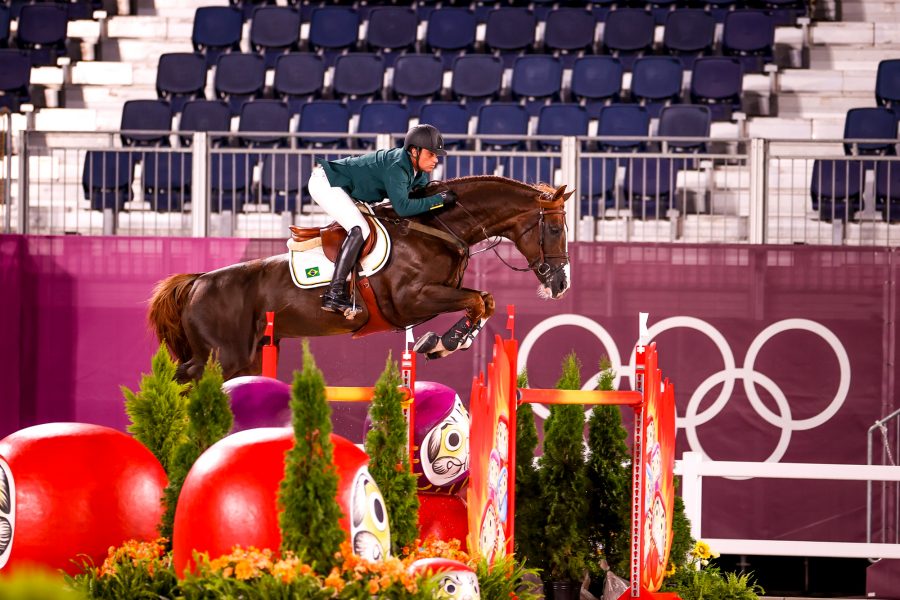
x=166, y=305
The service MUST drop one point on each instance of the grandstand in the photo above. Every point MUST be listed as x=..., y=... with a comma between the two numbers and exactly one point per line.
x=678, y=122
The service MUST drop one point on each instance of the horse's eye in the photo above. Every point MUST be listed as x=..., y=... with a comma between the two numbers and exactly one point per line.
x=555, y=229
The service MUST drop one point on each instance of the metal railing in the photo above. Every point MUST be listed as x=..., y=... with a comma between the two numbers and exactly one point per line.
x=629, y=189
x=883, y=499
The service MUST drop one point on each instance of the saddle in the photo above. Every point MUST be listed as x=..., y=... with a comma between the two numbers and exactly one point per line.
x=330, y=238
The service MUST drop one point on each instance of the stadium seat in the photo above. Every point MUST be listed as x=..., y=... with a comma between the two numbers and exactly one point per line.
x=561, y=119
x=623, y=120
x=418, y=78
x=503, y=118
x=596, y=81
x=689, y=34
x=82, y=9
x=887, y=85
x=391, y=31
x=217, y=30
x=656, y=82
x=887, y=190
x=248, y=7
x=649, y=186
x=836, y=188
x=332, y=30
x=536, y=81
x=146, y=116
x=628, y=34
x=510, y=32
x=382, y=117
x=299, y=78
x=324, y=117
x=449, y=118
x=180, y=76
x=282, y=179
x=358, y=78
x=784, y=12
x=597, y=186
x=15, y=79
x=239, y=78
x=106, y=178
x=718, y=82
x=870, y=124
x=451, y=32
x=42, y=32
x=750, y=36
x=204, y=115
x=569, y=33
x=476, y=79
x=264, y=116
x=685, y=120
x=274, y=31
x=5, y=18
x=167, y=179
x=230, y=178
x=719, y=9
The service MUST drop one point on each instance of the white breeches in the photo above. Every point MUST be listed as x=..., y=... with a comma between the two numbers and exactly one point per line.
x=336, y=202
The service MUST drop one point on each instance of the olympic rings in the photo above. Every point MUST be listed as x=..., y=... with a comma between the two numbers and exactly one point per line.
x=727, y=376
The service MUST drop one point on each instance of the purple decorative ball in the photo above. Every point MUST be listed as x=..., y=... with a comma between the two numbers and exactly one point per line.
x=258, y=402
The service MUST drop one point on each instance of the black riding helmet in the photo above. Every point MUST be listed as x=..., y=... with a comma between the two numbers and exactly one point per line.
x=425, y=136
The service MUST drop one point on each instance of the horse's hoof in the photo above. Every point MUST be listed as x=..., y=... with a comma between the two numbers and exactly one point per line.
x=426, y=343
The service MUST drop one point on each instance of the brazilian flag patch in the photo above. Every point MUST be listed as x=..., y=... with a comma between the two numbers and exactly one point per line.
x=312, y=272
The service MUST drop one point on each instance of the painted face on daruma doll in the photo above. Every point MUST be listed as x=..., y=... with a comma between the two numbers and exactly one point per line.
x=444, y=446
x=369, y=530
x=501, y=443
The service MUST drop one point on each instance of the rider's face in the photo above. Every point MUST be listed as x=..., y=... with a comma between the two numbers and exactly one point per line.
x=428, y=160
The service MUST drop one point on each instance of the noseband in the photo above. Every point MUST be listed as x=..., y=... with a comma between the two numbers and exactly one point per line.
x=540, y=265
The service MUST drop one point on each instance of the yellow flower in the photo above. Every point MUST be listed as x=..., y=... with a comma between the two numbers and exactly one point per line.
x=701, y=550
x=670, y=569
x=243, y=570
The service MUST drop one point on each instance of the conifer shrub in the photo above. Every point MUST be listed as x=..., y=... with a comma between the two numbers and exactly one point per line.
x=306, y=497
x=389, y=459
x=529, y=518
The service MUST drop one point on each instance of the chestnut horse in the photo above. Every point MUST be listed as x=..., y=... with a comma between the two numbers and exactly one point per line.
x=224, y=311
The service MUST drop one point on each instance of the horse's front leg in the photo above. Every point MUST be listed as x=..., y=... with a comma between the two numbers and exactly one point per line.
x=478, y=306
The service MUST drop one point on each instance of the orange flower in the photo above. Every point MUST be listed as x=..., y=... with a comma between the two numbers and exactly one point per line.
x=335, y=581
x=373, y=586
x=244, y=570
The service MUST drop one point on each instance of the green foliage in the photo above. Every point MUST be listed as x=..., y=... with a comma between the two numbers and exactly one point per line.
x=682, y=542
x=698, y=579
x=37, y=585
x=309, y=510
x=140, y=570
x=529, y=518
x=507, y=578
x=209, y=420
x=158, y=411
x=389, y=460
x=563, y=484
x=609, y=476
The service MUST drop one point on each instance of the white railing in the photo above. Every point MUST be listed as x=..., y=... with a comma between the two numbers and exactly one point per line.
x=693, y=468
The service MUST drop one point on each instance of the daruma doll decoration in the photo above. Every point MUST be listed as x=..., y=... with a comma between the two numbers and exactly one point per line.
x=72, y=490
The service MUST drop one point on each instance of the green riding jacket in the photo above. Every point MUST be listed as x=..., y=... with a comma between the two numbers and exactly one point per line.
x=382, y=174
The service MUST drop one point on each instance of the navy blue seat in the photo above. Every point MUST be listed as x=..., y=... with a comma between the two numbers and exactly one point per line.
x=887, y=84
x=180, y=76
x=5, y=18
x=324, y=117
x=649, y=186
x=874, y=124
x=167, y=180
x=561, y=119
x=887, y=190
x=392, y=30
x=146, y=116
x=264, y=116
x=597, y=186
x=82, y=9
x=106, y=178
x=418, y=78
x=239, y=78
x=332, y=30
x=358, y=78
x=836, y=188
x=685, y=120
x=510, y=32
x=621, y=120
x=536, y=81
x=382, y=117
x=569, y=33
x=282, y=180
x=656, y=82
x=596, y=81
x=689, y=34
x=628, y=34
x=230, y=179
x=217, y=30
x=204, y=115
x=451, y=32
x=719, y=83
x=248, y=7
x=785, y=12
x=750, y=36
x=503, y=118
x=477, y=78
x=299, y=78
x=719, y=9
x=450, y=118
x=274, y=31
x=42, y=31
x=15, y=78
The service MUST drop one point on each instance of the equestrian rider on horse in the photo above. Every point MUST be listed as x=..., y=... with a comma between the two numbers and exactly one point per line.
x=371, y=178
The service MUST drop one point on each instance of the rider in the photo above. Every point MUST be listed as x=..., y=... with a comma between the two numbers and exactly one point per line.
x=371, y=178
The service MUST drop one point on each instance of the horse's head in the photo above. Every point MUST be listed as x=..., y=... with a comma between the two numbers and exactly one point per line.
x=544, y=243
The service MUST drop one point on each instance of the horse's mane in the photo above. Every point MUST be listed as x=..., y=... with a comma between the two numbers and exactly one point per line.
x=435, y=187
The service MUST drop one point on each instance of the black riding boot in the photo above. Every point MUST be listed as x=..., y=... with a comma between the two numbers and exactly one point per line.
x=336, y=299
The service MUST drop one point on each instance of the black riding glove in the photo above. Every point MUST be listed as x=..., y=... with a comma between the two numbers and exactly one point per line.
x=448, y=197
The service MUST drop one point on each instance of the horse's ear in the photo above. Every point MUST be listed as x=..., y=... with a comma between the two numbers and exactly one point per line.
x=560, y=194
x=568, y=195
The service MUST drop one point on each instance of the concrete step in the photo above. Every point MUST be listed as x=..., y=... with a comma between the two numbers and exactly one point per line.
x=799, y=230
x=150, y=28
x=105, y=73
x=825, y=81
x=851, y=58
x=806, y=105
x=713, y=228
x=142, y=51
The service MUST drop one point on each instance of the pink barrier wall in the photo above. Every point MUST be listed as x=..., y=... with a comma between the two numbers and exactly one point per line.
x=812, y=327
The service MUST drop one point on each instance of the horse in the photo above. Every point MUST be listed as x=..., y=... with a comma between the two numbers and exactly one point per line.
x=223, y=312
